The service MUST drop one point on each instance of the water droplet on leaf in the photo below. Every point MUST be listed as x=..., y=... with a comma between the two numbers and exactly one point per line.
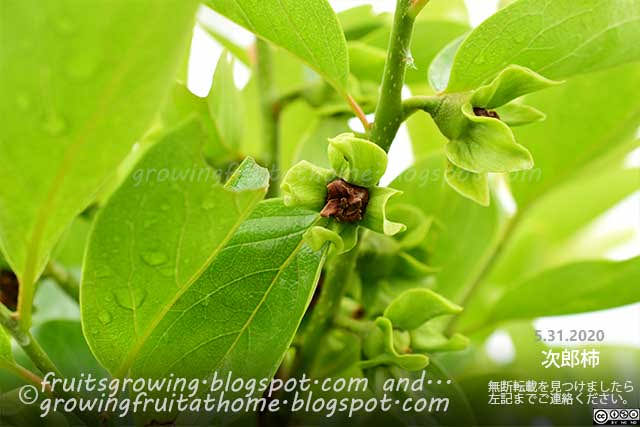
x=154, y=258
x=130, y=299
x=104, y=317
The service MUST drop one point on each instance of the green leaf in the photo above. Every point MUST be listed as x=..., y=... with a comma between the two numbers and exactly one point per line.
x=307, y=28
x=557, y=39
x=243, y=311
x=359, y=21
x=601, y=98
x=305, y=135
x=226, y=105
x=239, y=52
x=366, y=61
x=584, y=286
x=440, y=68
x=154, y=238
x=414, y=307
x=72, y=107
x=71, y=354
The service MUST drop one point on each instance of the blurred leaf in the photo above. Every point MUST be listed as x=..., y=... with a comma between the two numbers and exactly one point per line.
x=460, y=260
x=239, y=52
x=359, y=21
x=558, y=39
x=451, y=10
x=138, y=265
x=579, y=287
x=440, y=68
x=79, y=86
x=311, y=143
x=587, y=118
x=71, y=354
x=307, y=28
x=366, y=61
x=226, y=106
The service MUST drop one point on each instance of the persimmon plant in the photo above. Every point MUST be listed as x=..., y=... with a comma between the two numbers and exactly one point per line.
x=146, y=231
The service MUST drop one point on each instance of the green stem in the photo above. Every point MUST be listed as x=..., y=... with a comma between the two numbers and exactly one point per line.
x=64, y=279
x=338, y=271
x=27, y=342
x=264, y=76
x=389, y=113
x=428, y=104
x=22, y=372
x=39, y=358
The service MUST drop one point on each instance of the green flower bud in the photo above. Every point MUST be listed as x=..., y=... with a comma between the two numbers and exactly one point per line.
x=357, y=160
x=414, y=307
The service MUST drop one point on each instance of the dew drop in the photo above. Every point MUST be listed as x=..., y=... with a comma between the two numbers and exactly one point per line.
x=104, y=317
x=154, y=258
x=166, y=271
x=54, y=125
x=130, y=299
x=103, y=272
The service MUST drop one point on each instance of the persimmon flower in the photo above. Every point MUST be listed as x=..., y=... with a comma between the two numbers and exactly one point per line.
x=346, y=196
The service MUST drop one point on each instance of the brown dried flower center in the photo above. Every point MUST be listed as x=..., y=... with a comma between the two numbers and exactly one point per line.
x=483, y=112
x=9, y=289
x=345, y=202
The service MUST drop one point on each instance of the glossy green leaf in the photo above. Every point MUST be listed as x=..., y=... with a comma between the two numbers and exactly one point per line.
x=155, y=237
x=584, y=286
x=307, y=28
x=244, y=310
x=79, y=86
x=556, y=38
